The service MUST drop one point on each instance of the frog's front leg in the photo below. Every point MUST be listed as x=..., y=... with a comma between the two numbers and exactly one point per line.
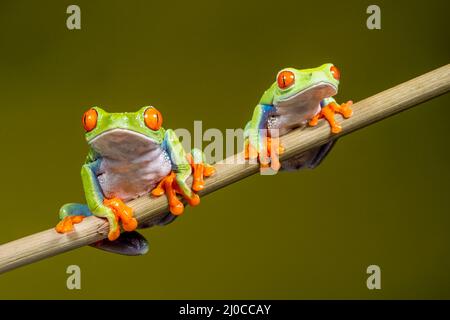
x=329, y=108
x=258, y=144
x=175, y=182
x=200, y=169
x=112, y=209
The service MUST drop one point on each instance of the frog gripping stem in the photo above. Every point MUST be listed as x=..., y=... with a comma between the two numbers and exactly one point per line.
x=49, y=243
x=123, y=213
x=66, y=224
x=170, y=187
x=200, y=169
x=328, y=113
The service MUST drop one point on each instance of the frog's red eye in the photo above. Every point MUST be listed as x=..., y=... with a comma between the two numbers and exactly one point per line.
x=90, y=120
x=285, y=79
x=153, y=118
x=335, y=72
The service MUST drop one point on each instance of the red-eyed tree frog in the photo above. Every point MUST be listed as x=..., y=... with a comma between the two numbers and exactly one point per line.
x=296, y=98
x=132, y=155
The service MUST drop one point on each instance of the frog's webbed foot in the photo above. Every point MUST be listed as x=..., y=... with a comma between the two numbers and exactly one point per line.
x=267, y=153
x=123, y=213
x=169, y=186
x=328, y=113
x=200, y=170
x=66, y=224
x=70, y=214
x=274, y=150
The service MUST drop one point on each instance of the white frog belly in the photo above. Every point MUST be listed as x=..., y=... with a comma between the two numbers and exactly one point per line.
x=286, y=119
x=296, y=111
x=131, y=178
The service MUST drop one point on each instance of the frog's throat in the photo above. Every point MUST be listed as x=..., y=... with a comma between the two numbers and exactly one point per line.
x=327, y=88
x=125, y=133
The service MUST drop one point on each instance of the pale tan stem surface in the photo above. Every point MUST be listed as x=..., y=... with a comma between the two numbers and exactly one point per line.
x=382, y=105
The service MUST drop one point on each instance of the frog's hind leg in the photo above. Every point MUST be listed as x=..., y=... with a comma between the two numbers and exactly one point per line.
x=129, y=244
x=70, y=214
x=167, y=219
x=309, y=159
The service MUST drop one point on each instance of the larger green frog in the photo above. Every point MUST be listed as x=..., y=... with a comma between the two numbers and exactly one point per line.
x=132, y=155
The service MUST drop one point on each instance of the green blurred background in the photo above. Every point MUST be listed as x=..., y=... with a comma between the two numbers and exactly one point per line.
x=381, y=197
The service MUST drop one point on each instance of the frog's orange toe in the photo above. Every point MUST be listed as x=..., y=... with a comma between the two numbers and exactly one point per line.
x=158, y=191
x=209, y=170
x=66, y=224
x=168, y=186
x=346, y=111
x=274, y=146
x=336, y=129
x=275, y=164
x=198, y=185
x=313, y=122
x=63, y=227
x=176, y=208
x=251, y=153
x=198, y=182
x=199, y=172
x=194, y=200
x=281, y=149
x=130, y=225
x=114, y=234
x=264, y=165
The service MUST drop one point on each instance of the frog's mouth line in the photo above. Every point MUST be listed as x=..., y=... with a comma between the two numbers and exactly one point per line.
x=122, y=133
x=327, y=88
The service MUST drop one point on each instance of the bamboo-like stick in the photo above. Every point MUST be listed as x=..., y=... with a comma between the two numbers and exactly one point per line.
x=382, y=105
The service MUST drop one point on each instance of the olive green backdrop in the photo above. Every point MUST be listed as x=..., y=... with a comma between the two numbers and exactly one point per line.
x=381, y=197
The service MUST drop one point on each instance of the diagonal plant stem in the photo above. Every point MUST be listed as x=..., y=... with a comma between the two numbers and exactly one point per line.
x=48, y=243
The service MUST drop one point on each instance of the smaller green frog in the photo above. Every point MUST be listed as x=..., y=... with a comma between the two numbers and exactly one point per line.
x=132, y=155
x=296, y=98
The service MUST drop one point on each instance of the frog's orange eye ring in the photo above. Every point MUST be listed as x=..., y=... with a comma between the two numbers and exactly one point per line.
x=335, y=72
x=90, y=120
x=285, y=79
x=153, y=118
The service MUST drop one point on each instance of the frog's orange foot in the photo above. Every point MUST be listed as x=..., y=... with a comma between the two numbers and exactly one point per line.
x=250, y=151
x=346, y=110
x=315, y=120
x=169, y=186
x=113, y=234
x=123, y=213
x=335, y=128
x=274, y=150
x=208, y=171
x=328, y=113
x=268, y=156
x=274, y=146
x=66, y=224
x=199, y=171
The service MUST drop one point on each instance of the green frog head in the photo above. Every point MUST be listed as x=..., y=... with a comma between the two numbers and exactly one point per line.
x=301, y=90
x=293, y=84
x=123, y=134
